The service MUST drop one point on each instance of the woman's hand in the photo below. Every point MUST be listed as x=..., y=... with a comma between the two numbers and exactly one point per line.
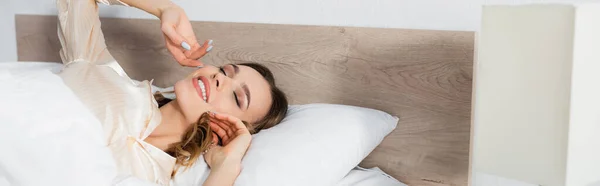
x=177, y=29
x=180, y=38
x=236, y=140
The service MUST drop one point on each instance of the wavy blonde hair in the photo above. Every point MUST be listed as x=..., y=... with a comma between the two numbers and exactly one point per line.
x=196, y=139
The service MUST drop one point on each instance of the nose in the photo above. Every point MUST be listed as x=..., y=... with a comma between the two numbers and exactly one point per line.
x=221, y=81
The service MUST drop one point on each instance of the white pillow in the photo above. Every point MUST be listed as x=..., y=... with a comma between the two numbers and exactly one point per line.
x=316, y=144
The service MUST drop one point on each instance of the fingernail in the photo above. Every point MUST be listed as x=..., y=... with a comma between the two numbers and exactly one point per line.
x=200, y=66
x=210, y=42
x=213, y=112
x=186, y=45
x=209, y=48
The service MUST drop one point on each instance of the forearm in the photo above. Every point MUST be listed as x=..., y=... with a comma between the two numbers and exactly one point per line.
x=225, y=175
x=154, y=7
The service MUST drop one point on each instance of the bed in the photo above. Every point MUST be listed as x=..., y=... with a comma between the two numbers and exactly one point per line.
x=422, y=76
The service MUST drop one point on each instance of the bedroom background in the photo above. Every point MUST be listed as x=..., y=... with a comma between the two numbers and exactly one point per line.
x=429, y=14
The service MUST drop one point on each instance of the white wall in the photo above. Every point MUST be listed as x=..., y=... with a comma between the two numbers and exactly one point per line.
x=417, y=14
x=583, y=166
x=521, y=106
x=536, y=107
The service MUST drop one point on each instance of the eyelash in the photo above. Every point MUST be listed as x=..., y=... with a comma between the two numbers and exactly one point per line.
x=234, y=94
x=222, y=71
x=236, y=99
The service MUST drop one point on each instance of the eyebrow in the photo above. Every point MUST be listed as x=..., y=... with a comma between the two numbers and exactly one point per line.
x=245, y=87
x=236, y=69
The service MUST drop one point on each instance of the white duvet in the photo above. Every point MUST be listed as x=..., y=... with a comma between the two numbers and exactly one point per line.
x=47, y=136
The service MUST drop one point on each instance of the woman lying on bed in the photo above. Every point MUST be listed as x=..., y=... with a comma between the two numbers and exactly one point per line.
x=149, y=142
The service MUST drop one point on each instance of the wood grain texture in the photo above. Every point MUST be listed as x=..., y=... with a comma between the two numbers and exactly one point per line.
x=424, y=77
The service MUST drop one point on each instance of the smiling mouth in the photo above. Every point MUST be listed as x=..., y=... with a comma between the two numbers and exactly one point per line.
x=201, y=85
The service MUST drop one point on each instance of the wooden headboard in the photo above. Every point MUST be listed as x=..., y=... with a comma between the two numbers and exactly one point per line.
x=422, y=76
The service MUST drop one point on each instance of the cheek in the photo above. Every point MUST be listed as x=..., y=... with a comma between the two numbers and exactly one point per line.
x=189, y=101
x=226, y=106
x=222, y=106
x=218, y=106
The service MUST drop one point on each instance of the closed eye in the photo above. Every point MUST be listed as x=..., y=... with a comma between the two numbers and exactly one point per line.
x=222, y=71
x=236, y=99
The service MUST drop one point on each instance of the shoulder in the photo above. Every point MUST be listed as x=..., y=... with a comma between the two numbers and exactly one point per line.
x=117, y=100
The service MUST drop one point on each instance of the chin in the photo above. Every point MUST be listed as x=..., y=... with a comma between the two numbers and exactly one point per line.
x=190, y=103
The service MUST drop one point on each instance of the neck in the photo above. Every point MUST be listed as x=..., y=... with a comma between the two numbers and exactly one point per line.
x=171, y=128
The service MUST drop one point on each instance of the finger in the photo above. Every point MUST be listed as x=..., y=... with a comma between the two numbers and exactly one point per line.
x=226, y=142
x=192, y=63
x=229, y=140
x=172, y=34
x=234, y=122
x=219, y=140
x=180, y=56
x=224, y=126
x=200, y=52
x=228, y=129
x=221, y=133
x=215, y=138
x=175, y=51
x=225, y=117
x=217, y=129
x=195, y=46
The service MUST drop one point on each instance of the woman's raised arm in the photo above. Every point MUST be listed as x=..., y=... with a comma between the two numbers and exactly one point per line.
x=79, y=32
x=179, y=35
x=82, y=40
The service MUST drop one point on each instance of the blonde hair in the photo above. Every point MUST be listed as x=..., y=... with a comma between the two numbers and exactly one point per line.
x=196, y=139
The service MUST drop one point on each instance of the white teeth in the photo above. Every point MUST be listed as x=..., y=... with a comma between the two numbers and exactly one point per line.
x=203, y=88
